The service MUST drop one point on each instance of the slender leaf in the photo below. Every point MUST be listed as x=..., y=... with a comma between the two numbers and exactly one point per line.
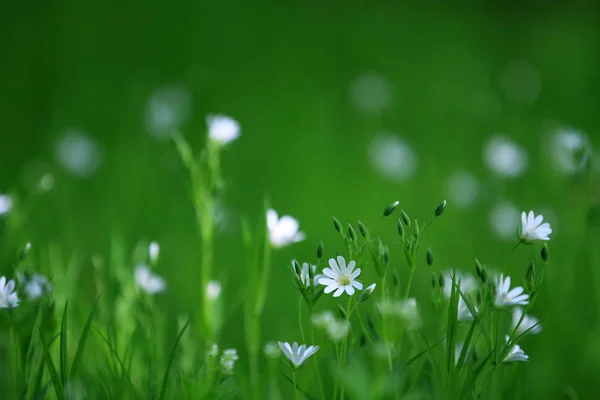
x=82, y=341
x=64, y=361
x=171, y=359
x=304, y=392
x=58, y=387
x=114, y=352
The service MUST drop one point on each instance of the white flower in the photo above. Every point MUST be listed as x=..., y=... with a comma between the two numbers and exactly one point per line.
x=8, y=297
x=529, y=324
x=214, y=350
x=323, y=319
x=515, y=354
x=147, y=281
x=533, y=229
x=409, y=312
x=466, y=282
x=341, y=278
x=336, y=329
x=36, y=286
x=297, y=354
x=228, y=359
x=507, y=297
x=213, y=290
x=222, y=129
x=154, y=251
x=272, y=350
x=464, y=314
x=283, y=231
x=305, y=276
x=6, y=204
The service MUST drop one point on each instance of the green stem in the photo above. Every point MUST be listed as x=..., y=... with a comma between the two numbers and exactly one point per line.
x=313, y=341
x=300, y=319
x=295, y=388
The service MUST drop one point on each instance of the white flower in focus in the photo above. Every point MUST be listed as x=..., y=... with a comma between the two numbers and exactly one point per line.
x=228, y=359
x=213, y=290
x=222, y=129
x=515, y=354
x=529, y=324
x=8, y=297
x=532, y=228
x=283, y=231
x=272, y=350
x=6, y=204
x=147, y=281
x=506, y=297
x=464, y=314
x=504, y=157
x=466, y=282
x=154, y=251
x=297, y=354
x=341, y=278
x=36, y=286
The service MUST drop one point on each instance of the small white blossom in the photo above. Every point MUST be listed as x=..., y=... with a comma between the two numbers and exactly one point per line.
x=6, y=204
x=406, y=310
x=340, y=277
x=8, y=297
x=515, y=354
x=464, y=314
x=364, y=296
x=214, y=350
x=529, y=324
x=335, y=328
x=147, y=281
x=297, y=354
x=36, y=286
x=222, y=129
x=323, y=319
x=305, y=276
x=283, y=231
x=213, y=290
x=154, y=251
x=507, y=297
x=228, y=359
x=532, y=228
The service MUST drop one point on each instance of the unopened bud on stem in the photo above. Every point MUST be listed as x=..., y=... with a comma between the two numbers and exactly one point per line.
x=390, y=209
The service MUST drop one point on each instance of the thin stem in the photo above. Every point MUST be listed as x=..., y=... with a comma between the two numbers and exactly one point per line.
x=300, y=319
x=295, y=388
x=312, y=337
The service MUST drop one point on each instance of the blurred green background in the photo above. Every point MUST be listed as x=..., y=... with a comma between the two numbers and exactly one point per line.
x=324, y=91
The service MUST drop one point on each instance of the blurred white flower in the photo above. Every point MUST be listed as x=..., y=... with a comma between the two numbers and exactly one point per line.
x=392, y=157
x=463, y=188
x=506, y=297
x=322, y=319
x=154, y=252
x=529, y=324
x=36, y=286
x=46, y=182
x=515, y=354
x=569, y=151
x=466, y=282
x=78, y=153
x=166, y=110
x=297, y=354
x=147, y=281
x=464, y=314
x=272, y=350
x=406, y=310
x=222, y=129
x=213, y=290
x=370, y=93
x=340, y=277
x=504, y=219
x=8, y=296
x=335, y=328
x=521, y=81
x=532, y=228
x=504, y=157
x=283, y=231
x=6, y=204
x=214, y=350
x=228, y=359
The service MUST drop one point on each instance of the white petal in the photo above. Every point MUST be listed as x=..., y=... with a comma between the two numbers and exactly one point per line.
x=351, y=266
x=341, y=263
x=350, y=290
x=331, y=288
x=355, y=274
x=339, y=292
x=334, y=266
x=331, y=273
x=357, y=285
x=271, y=219
x=328, y=282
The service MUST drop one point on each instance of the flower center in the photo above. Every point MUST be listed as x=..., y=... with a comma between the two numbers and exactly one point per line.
x=344, y=280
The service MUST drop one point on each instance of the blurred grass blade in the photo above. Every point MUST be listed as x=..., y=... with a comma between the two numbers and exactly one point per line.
x=171, y=359
x=82, y=341
x=63, y=346
x=58, y=387
x=116, y=355
x=304, y=392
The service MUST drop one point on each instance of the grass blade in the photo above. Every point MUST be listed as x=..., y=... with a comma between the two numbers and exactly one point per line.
x=58, y=387
x=171, y=359
x=114, y=352
x=64, y=363
x=82, y=341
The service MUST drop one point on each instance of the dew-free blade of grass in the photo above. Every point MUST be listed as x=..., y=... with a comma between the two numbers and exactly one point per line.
x=116, y=356
x=170, y=362
x=64, y=366
x=58, y=387
x=82, y=341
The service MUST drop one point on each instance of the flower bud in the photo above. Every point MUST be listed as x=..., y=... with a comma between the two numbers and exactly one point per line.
x=320, y=250
x=395, y=278
x=405, y=219
x=544, y=253
x=400, y=228
x=365, y=294
x=390, y=209
x=297, y=268
x=363, y=340
x=484, y=275
x=429, y=257
x=24, y=252
x=530, y=276
x=386, y=256
x=478, y=268
x=337, y=225
x=363, y=230
x=441, y=280
x=440, y=209
x=433, y=280
x=351, y=233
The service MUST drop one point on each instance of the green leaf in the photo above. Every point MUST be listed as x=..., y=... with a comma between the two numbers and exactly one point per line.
x=116, y=355
x=82, y=341
x=64, y=361
x=171, y=359
x=58, y=387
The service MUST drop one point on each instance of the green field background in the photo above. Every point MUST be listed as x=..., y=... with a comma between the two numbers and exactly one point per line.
x=284, y=70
